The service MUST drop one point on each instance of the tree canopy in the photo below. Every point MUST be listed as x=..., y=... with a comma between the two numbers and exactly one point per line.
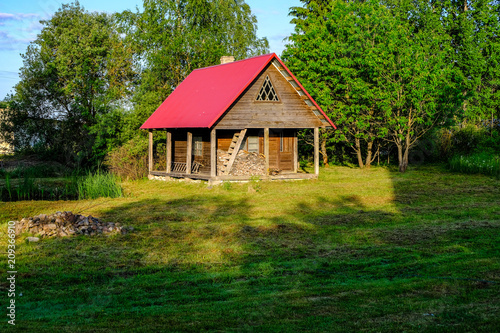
x=74, y=72
x=172, y=38
x=393, y=70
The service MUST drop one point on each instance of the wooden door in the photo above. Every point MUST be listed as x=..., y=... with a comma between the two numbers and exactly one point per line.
x=281, y=150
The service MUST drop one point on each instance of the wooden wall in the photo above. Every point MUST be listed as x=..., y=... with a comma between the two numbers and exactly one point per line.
x=280, y=160
x=290, y=112
x=179, y=145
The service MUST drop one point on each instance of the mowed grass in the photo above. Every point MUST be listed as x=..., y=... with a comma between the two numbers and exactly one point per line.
x=356, y=250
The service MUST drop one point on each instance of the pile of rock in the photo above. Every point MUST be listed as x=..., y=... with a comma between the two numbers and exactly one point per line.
x=245, y=164
x=64, y=224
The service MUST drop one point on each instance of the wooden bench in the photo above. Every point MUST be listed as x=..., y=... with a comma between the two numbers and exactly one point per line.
x=179, y=167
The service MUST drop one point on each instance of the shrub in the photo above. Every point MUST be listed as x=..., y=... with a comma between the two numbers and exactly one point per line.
x=467, y=140
x=129, y=161
x=99, y=185
x=484, y=163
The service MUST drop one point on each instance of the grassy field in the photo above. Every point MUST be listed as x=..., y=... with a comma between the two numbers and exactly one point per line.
x=356, y=250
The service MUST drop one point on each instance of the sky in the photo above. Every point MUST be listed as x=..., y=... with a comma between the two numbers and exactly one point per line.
x=19, y=25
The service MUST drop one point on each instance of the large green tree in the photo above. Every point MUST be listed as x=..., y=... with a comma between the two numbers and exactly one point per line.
x=329, y=51
x=172, y=38
x=379, y=69
x=474, y=29
x=75, y=72
x=415, y=76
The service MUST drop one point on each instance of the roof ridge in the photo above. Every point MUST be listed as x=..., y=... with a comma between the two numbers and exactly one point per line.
x=237, y=61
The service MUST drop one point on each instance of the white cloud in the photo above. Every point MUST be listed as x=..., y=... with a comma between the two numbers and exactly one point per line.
x=6, y=16
x=18, y=16
x=18, y=30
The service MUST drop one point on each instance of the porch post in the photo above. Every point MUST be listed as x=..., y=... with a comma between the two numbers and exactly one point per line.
x=189, y=152
x=295, y=152
x=266, y=148
x=150, y=151
x=169, y=151
x=316, y=151
x=213, y=153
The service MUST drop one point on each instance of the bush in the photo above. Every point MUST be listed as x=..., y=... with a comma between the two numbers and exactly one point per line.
x=129, y=161
x=467, y=140
x=99, y=185
x=40, y=171
x=483, y=163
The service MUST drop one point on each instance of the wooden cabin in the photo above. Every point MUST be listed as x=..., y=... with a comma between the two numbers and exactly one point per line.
x=233, y=116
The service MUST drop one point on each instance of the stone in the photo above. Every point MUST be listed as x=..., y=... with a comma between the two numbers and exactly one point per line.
x=33, y=239
x=64, y=224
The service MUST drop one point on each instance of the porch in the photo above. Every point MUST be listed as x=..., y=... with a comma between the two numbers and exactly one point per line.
x=185, y=165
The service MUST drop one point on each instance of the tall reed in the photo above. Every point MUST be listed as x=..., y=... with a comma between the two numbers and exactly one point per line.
x=483, y=163
x=98, y=185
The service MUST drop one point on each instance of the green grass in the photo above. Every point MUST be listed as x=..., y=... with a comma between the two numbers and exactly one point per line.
x=484, y=163
x=98, y=185
x=357, y=250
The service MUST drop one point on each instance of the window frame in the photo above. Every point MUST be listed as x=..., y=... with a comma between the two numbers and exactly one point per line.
x=256, y=100
x=197, y=146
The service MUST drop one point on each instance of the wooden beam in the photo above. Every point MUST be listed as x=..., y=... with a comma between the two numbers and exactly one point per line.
x=295, y=152
x=213, y=153
x=235, y=151
x=189, y=153
x=169, y=151
x=266, y=148
x=316, y=151
x=150, y=151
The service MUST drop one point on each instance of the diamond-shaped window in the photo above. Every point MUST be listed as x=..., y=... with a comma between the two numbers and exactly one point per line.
x=267, y=92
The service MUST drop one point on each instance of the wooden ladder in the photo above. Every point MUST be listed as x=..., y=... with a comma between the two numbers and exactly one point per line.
x=233, y=150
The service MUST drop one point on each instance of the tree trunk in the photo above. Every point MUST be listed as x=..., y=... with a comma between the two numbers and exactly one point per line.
x=368, y=161
x=358, y=153
x=402, y=167
x=403, y=156
x=323, y=152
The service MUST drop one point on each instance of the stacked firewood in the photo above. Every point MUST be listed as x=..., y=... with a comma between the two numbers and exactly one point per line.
x=245, y=164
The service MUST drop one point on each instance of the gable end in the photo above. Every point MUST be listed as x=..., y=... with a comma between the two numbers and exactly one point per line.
x=294, y=110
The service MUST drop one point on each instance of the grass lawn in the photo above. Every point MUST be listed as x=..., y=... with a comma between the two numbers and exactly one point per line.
x=356, y=250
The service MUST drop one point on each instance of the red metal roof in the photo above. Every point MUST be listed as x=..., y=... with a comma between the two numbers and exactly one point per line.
x=203, y=97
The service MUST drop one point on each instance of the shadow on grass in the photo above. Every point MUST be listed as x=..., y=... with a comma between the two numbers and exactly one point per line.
x=327, y=263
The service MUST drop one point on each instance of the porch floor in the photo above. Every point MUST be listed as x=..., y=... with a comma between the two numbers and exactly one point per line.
x=200, y=176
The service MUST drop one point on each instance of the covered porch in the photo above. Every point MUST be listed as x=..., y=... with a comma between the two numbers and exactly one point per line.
x=193, y=154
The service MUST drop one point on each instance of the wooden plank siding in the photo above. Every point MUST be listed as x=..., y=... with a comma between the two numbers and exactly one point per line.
x=290, y=112
x=179, y=145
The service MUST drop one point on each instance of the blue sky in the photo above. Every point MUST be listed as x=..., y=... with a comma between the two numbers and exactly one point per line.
x=19, y=25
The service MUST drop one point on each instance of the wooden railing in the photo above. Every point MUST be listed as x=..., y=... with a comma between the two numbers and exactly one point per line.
x=179, y=167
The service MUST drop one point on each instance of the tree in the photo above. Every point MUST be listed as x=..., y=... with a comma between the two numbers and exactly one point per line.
x=172, y=38
x=415, y=77
x=379, y=69
x=73, y=73
x=330, y=51
x=474, y=28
